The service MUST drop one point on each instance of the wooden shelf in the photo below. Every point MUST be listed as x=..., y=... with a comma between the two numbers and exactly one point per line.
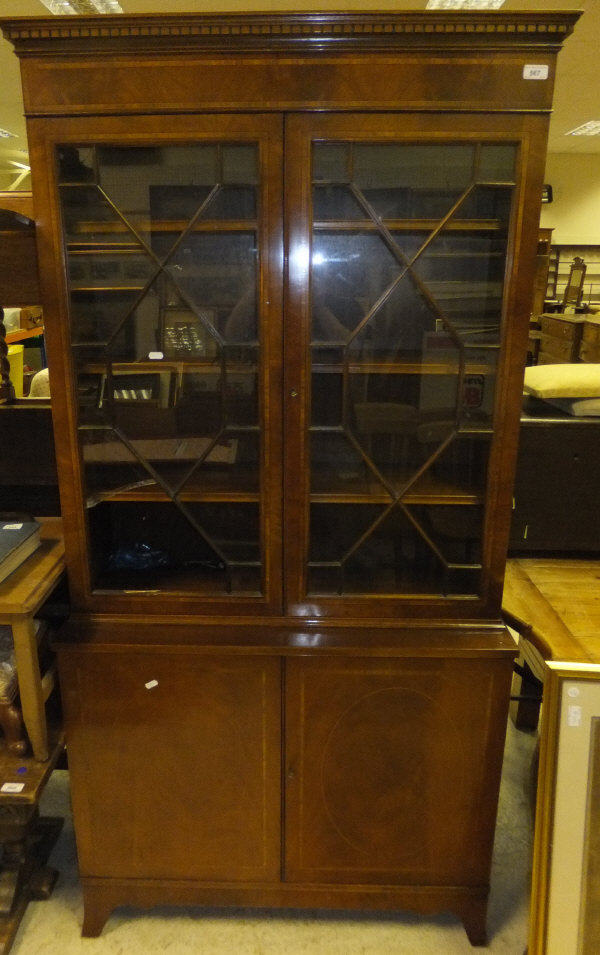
x=150, y=226
x=401, y=368
x=331, y=489
x=410, y=225
x=22, y=334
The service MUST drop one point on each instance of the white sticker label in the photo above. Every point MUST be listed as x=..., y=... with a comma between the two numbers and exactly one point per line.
x=573, y=715
x=13, y=527
x=12, y=788
x=536, y=71
x=151, y=684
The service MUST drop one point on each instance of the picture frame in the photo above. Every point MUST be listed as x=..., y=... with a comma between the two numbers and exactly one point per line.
x=565, y=897
x=186, y=335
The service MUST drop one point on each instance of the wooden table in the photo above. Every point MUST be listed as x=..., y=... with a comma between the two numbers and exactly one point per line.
x=555, y=604
x=21, y=596
x=26, y=839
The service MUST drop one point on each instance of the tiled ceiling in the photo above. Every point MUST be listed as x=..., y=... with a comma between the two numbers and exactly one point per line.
x=577, y=92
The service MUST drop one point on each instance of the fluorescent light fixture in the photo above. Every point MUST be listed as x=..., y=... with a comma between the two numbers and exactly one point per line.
x=6, y=134
x=464, y=4
x=587, y=129
x=73, y=7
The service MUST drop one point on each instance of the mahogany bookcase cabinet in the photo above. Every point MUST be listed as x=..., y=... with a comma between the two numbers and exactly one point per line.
x=287, y=264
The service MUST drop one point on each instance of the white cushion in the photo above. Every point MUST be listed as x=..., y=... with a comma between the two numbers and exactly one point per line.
x=563, y=381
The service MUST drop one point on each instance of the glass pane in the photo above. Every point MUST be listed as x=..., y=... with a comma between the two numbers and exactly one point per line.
x=327, y=393
x=76, y=163
x=240, y=165
x=491, y=203
x=455, y=461
x=385, y=432
x=331, y=202
x=409, y=251
x=410, y=181
x=138, y=545
x=349, y=274
x=398, y=327
x=216, y=271
x=497, y=163
x=331, y=161
x=337, y=464
x=465, y=289
x=392, y=550
x=162, y=253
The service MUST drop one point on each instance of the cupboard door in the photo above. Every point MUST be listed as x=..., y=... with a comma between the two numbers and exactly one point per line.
x=399, y=244
x=175, y=764
x=392, y=769
x=173, y=253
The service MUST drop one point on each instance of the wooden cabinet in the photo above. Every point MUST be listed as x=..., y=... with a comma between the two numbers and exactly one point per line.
x=211, y=788
x=325, y=777
x=402, y=737
x=589, y=349
x=560, y=338
x=545, y=519
x=18, y=257
x=288, y=263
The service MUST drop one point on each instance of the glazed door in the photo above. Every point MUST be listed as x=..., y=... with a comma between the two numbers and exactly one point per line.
x=390, y=319
x=172, y=243
x=399, y=240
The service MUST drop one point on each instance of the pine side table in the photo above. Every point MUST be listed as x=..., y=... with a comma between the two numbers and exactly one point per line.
x=26, y=839
x=21, y=596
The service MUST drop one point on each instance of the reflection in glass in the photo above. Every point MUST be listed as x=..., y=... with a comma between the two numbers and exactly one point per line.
x=408, y=257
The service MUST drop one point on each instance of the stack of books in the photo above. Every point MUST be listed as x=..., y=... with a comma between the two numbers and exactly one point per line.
x=19, y=538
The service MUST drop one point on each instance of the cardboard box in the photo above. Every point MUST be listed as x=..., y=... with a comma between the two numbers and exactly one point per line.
x=32, y=317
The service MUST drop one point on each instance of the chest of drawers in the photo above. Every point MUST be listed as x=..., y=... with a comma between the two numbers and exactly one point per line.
x=560, y=338
x=589, y=349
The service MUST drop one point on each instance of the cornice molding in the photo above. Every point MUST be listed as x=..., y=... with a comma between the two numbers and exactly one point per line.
x=306, y=31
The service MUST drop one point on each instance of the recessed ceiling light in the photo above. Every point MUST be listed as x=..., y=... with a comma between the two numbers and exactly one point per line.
x=6, y=134
x=73, y=7
x=464, y=4
x=586, y=129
